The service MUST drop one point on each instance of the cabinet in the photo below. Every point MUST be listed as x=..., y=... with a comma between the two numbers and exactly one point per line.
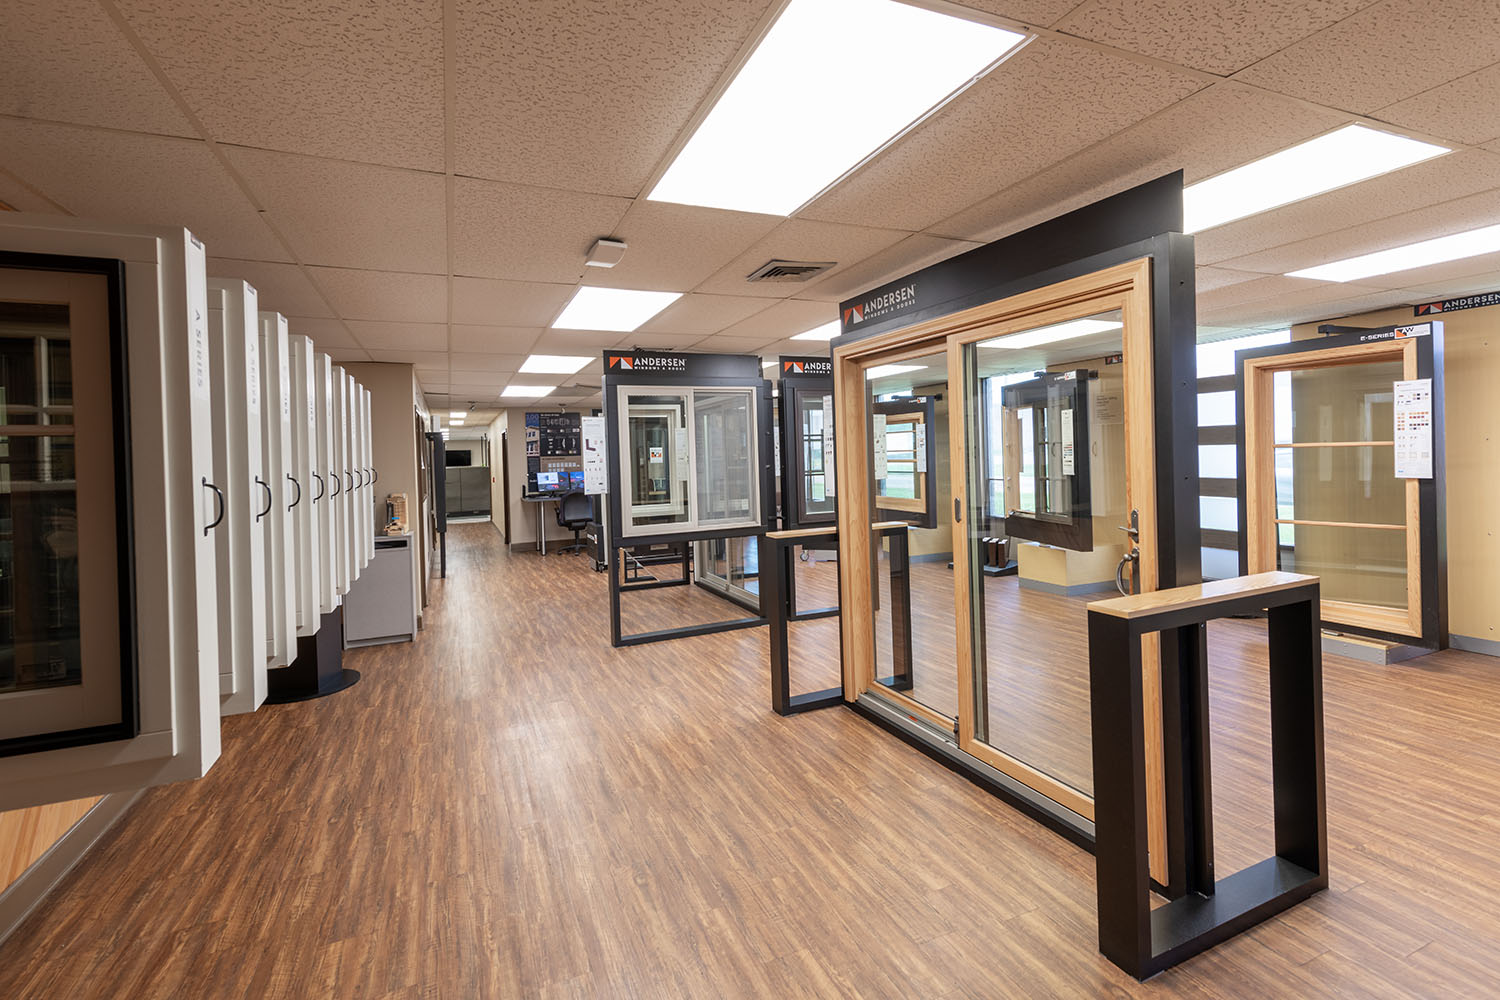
x=380, y=606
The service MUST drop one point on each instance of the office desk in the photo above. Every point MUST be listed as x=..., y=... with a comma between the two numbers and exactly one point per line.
x=541, y=500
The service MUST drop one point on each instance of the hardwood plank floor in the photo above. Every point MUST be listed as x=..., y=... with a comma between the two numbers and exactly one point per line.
x=511, y=808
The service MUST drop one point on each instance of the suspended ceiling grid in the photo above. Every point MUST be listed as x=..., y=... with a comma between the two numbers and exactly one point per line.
x=418, y=181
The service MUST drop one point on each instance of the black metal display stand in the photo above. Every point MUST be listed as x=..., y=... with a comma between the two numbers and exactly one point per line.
x=679, y=371
x=318, y=670
x=1138, y=939
x=801, y=378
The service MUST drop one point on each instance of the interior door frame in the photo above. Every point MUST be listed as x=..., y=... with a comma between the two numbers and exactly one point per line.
x=1153, y=326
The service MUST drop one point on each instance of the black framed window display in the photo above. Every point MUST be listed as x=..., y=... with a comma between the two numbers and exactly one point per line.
x=67, y=644
x=808, y=482
x=1046, y=451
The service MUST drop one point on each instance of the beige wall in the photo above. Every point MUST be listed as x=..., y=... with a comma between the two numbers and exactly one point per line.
x=393, y=438
x=498, y=499
x=523, y=515
x=1471, y=370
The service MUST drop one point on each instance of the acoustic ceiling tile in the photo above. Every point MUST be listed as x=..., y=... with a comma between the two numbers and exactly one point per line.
x=385, y=295
x=409, y=356
x=375, y=336
x=1385, y=53
x=784, y=319
x=1212, y=131
x=1464, y=111
x=697, y=313
x=1422, y=188
x=1209, y=278
x=525, y=233
x=325, y=333
x=732, y=345
x=1039, y=13
x=340, y=214
x=351, y=81
x=1318, y=300
x=282, y=287
x=347, y=355
x=142, y=179
x=1454, y=273
x=1216, y=36
x=658, y=342
x=582, y=95
x=493, y=339
x=469, y=361
x=803, y=240
x=1473, y=284
x=576, y=342
x=1052, y=99
x=1382, y=233
x=490, y=302
x=675, y=247
x=21, y=198
x=65, y=60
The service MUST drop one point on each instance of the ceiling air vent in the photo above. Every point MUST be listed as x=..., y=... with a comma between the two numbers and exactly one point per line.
x=789, y=270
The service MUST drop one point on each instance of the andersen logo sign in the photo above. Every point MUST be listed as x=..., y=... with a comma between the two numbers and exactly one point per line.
x=647, y=363
x=886, y=303
x=806, y=366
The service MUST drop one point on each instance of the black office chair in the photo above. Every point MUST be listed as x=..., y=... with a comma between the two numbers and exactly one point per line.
x=575, y=511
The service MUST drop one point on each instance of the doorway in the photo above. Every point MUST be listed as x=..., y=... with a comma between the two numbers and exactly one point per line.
x=505, y=485
x=1029, y=419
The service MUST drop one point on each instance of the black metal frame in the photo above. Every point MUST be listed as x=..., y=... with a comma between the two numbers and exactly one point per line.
x=794, y=386
x=929, y=517
x=692, y=371
x=1076, y=532
x=1138, y=939
x=113, y=272
x=777, y=555
x=1431, y=493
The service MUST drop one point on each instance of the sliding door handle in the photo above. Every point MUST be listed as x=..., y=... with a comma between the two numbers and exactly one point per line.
x=218, y=495
x=299, y=491
x=270, y=500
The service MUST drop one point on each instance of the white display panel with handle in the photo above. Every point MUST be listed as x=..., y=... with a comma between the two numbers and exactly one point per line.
x=276, y=447
x=301, y=508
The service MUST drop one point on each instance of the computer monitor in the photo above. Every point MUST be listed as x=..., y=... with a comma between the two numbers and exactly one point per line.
x=546, y=481
x=575, y=480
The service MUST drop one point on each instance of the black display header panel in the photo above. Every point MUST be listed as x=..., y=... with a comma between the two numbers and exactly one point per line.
x=649, y=367
x=983, y=274
x=805, y=367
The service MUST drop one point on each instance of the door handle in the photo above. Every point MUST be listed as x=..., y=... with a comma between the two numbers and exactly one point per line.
x=322, y=487
x=1132, y=552
x=299, y=491
x=333, y=478
x=219, y=495
x=958, y=514
x=270, y=500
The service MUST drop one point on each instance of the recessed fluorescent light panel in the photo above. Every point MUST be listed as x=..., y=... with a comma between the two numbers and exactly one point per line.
x=1052, y=334
x=531, y=391
x=825, y=332
x=1435, y=251
x=616, y=309
x=881, y=371
x=458, y=414
x=1351, y=154
x=553, y=364
x=831, y=83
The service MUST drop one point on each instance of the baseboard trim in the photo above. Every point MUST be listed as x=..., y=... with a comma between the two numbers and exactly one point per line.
x=1074, y=591
x=1488, y=647
x=28, y=891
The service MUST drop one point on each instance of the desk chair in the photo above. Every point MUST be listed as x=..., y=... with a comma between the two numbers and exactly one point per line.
x=575, y=511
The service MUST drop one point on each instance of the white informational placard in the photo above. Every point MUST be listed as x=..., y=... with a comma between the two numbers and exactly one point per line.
x=1414, y=429
x=828, y=484
x=681, y=464
x=595, y=466
x=1067, y=442
x=880, y=446
x=921, y=447
x=1109, y=408
x=658, y=455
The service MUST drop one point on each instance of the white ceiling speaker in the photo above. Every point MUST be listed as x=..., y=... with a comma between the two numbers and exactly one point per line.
x=605, y=252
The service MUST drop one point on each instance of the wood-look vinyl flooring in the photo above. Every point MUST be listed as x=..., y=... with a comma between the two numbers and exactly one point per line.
x=511, y=808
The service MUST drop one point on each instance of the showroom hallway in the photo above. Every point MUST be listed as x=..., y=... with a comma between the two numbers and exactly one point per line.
x=509, y=808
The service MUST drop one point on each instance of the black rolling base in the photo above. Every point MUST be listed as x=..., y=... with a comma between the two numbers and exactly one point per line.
x=318, y=670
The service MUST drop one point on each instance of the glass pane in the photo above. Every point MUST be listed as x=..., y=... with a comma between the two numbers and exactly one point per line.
x=1341, y=403
x=812, y=417
x=1045, y=423
x=1216, y=409
x=1218, y=461
x=656, y=459
x=914, y=583
x=1340, y=484
x=1220, y=564
x=59, y=373
x=1217, y=358
x=725, y=456
x=39, y=600
x=1219, y=513
x=1360, y=565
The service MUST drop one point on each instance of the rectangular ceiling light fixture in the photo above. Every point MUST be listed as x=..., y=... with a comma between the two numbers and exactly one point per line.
x=881, y=371
x=1434, y=251
x=1052, y=334
x=553, y=364
x=458, y=414
x=529, y=391
x=825, y=332
x=1351, y=154
x=614, y=309
x=832, y=83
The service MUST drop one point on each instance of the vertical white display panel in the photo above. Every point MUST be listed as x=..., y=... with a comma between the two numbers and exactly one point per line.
x=323, y=484
x=275, y=490
x=338, y=483
x=129, y=303
x=304, y=519
x=351, y=460
x=367, y=462
x=234, y=345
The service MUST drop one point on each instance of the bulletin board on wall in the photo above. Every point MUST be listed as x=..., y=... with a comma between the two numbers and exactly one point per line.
x=554, y=453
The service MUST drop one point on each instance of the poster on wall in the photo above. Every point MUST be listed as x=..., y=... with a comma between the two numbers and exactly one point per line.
x=1414, y=429
x=595, y=468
